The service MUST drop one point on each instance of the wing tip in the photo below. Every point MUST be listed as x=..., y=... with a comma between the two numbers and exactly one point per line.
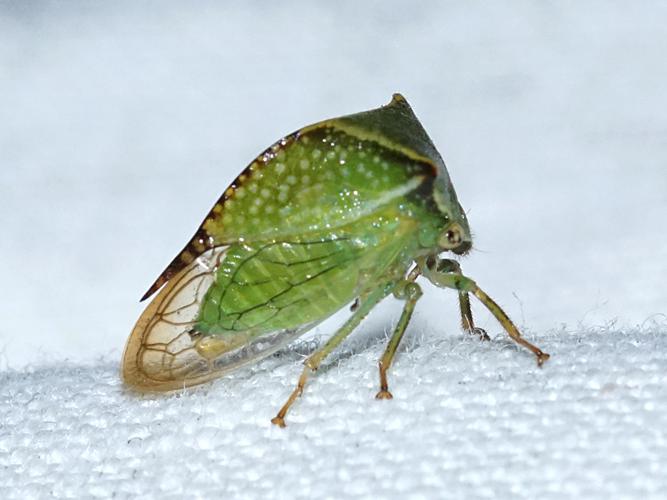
x=154, y=287
x=200, y=243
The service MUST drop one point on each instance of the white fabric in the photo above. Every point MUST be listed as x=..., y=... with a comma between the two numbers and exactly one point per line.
x=468, y=420
x=126, y=122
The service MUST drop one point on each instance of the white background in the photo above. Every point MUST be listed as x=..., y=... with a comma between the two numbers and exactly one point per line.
x=120, y=125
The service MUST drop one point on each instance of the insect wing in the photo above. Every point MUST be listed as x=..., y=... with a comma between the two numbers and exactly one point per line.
x=264, y=287
x=163, y=354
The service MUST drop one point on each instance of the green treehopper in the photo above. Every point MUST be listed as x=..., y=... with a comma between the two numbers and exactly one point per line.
x=348, y=210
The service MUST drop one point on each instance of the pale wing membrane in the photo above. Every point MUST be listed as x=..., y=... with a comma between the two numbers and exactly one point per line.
x=162, y=352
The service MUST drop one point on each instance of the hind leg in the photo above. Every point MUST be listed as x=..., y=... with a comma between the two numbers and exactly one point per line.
x=314, y=361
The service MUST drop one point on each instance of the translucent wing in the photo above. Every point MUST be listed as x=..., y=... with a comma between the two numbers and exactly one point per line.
x=164, y=353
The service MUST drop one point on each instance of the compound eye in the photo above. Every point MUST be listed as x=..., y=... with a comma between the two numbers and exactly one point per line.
x=454, y=237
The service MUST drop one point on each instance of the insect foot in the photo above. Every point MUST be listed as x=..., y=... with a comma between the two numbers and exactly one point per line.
x=384, y=386
x=541, y=358
x=384, y=394
x=279, y=421
x=481, y=333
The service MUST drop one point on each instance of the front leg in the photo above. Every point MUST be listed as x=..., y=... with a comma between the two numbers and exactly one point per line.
x=462, y=283
x=446, y=266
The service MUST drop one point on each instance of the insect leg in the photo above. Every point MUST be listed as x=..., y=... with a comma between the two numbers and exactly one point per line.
x=410, y=292
x=315, y=359
x=467, y=323
x=463, y=283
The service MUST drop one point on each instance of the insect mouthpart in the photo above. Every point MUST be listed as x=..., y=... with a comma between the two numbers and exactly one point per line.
x=463, y=248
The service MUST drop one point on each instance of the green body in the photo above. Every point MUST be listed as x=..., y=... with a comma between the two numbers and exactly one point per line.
x=324, y=216
x=349, y=209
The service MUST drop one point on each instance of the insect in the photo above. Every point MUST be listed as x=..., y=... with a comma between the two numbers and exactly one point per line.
x=348, y=210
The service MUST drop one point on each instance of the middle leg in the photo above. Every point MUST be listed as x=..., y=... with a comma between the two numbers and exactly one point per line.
x=410, y=292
